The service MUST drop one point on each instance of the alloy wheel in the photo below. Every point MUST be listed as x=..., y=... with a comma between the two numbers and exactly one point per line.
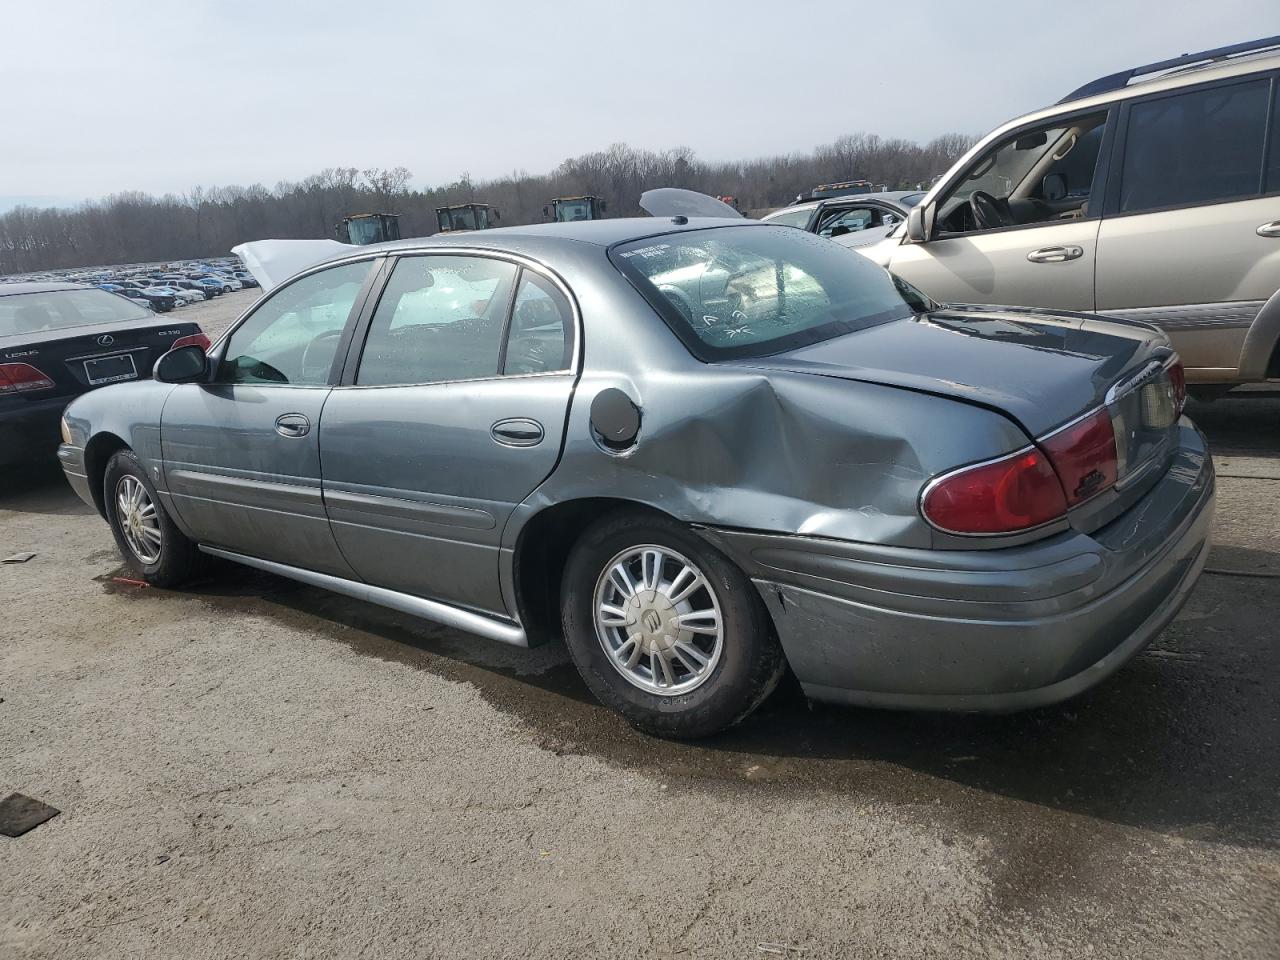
x=658, y=620
x=139, y=520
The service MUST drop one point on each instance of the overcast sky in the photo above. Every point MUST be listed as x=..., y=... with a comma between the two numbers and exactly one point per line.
x=117, y=95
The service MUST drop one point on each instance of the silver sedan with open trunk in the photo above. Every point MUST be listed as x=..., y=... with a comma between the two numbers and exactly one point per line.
x=703, y=450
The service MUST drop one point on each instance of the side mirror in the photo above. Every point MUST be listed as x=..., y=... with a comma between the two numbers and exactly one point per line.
x=916, y=232
x=1054, y=187
x=183, y=365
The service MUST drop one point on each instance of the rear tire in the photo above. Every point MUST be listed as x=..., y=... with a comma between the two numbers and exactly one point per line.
x=146, y=536
x=682, y=588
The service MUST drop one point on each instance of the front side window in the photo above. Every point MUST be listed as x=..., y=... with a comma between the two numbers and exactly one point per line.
x=293, y=336
x=1196, y=147
x=734, y=292
x=440, y=318
x=1036, y=176
x=26, y=313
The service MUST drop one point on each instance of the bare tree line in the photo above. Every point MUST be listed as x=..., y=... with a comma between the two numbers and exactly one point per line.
x=137, y=227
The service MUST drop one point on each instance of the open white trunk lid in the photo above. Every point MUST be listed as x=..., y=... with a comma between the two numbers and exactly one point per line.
x=273, y=261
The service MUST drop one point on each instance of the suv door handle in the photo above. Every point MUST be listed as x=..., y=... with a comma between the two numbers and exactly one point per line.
x=517, y=432
x=292, y=425
x=1271, y=229
x=1055, y=254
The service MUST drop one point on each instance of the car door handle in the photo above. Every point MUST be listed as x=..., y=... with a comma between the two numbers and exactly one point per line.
x=292, y=425
x=1055, y=254
x=1271, y=230
x=518, y=432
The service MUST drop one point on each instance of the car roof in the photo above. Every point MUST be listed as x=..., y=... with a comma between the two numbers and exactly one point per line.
x=601, y=233
x=10, y=289
x=1238, y=66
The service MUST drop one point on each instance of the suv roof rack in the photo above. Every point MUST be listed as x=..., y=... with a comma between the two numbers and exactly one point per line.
x=1118, y=81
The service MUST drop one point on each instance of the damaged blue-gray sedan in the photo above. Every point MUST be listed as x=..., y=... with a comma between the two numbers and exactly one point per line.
x=703, y=451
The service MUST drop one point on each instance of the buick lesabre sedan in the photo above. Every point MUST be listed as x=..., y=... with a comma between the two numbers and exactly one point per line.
x=701, y=450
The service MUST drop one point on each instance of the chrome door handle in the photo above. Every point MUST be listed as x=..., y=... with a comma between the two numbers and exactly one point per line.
x=1271, y=230
x=517, y=432
x=1055, y=254
x=292, y=425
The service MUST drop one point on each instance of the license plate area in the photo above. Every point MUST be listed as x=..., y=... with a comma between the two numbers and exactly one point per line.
x=1143, y=418
x=103, y=370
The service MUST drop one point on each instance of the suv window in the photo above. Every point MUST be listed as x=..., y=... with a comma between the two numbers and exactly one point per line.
x=1035, y=176
x=440, y=318
x=293, y=336
x=1196, y=147
x=541, y=335
x=853, y=219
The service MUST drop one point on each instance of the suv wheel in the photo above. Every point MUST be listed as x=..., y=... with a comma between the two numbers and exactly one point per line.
x=665, y=629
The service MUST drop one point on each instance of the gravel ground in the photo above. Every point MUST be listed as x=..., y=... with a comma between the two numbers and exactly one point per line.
x=252, y=768
x=217, y=314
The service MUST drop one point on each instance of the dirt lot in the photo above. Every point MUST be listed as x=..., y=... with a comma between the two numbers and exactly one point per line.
x=257, y=769
x=216, y=315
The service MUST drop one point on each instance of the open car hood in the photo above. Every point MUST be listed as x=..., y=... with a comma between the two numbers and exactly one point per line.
x=673, y=202
x=273, y=261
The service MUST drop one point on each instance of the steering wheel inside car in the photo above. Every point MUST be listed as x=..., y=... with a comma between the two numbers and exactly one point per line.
x=988, y=212
x=308, y=362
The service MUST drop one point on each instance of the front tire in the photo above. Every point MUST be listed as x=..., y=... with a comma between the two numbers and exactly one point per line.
x=665, y=629
x=146, y=536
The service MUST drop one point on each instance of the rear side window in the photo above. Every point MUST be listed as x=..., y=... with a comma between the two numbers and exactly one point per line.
x=541, y=336
x=1197, y=147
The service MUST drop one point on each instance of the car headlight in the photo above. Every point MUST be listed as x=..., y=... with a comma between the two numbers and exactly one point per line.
x=65, y=429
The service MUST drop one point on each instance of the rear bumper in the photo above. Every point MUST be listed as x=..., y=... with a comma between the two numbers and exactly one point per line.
x=991, y=630
x=29, y=429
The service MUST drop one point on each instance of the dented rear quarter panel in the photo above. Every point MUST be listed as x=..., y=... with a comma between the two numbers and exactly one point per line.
x=723, y=444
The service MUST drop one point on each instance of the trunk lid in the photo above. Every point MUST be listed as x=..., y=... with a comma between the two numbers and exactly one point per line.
x=77, y=359
x=1042, y=369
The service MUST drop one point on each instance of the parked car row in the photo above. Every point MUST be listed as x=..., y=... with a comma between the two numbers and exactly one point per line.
x=160, y=288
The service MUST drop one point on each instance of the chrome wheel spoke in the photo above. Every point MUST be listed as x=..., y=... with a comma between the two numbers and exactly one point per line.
x=651, y=568
x=701, y=621
x=611, y=616
x=636, y=650
x=688, y=652
x=622, y=580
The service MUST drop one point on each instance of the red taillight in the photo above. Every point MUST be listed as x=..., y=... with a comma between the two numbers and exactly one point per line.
x=194, y=340
x=1084, y=454
x=1014, y=493
x=22, y=378
x=1178, y=377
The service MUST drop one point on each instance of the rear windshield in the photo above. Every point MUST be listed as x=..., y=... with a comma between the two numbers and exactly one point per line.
x=733, y=292
x=25, y=313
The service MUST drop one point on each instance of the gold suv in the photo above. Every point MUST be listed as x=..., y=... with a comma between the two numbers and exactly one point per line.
x=1151, y=194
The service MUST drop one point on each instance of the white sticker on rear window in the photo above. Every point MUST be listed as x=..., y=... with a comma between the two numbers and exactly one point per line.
x=649, y=252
